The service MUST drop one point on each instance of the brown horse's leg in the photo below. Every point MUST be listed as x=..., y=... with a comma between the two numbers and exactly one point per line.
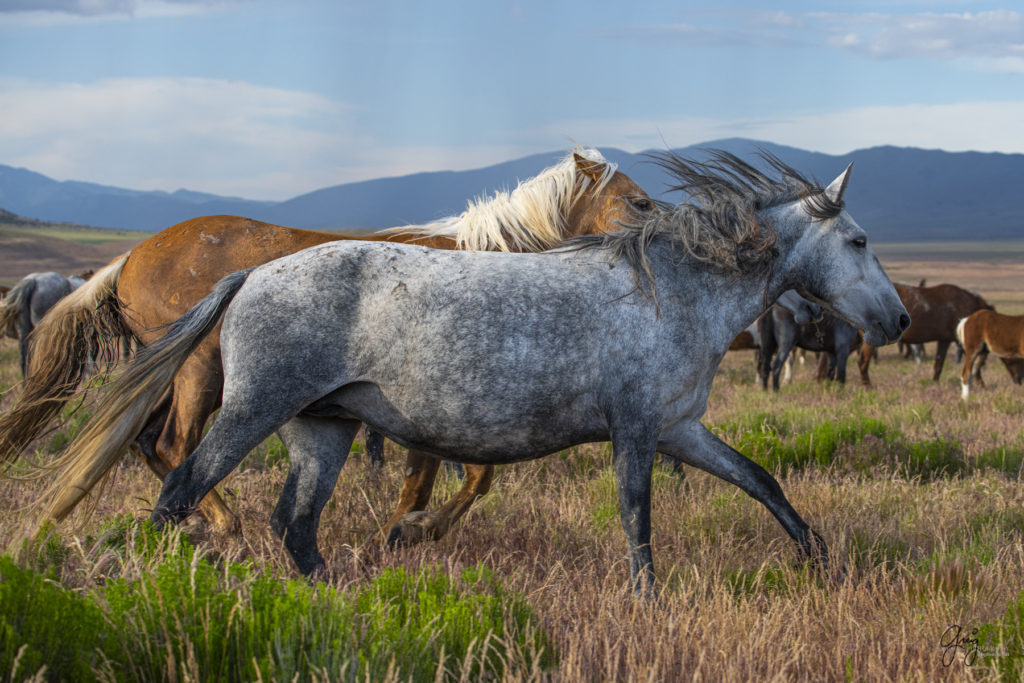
x=940, y=358
x=196, y=394
x=411, y=524
x=864, y=362
x=973, y=352
x=822, y=373
x=420, y=472
x=979, y=363
x=145, y=443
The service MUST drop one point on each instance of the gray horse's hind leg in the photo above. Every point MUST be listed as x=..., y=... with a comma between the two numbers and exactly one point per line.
x=374, y=441
x=633, y=457
x=24, y=329
x=317, y=449
x=694, y=444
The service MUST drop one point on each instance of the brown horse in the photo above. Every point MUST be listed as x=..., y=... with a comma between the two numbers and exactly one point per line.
x=161, y=278
x=934, y=314
x=987, y=331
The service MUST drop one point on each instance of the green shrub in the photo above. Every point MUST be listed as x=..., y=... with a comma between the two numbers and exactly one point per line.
x=780, y=443
x=185, y=617
x=1004, y=459
x=418, y=618
x=760, y=581
x=931, y=459
x=1001, y=645
x=44, y=624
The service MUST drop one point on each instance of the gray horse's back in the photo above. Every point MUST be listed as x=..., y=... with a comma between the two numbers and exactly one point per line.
x=49, y=289
x=416, y=334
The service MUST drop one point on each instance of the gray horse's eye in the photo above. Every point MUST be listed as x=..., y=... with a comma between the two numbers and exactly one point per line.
x=859, y=242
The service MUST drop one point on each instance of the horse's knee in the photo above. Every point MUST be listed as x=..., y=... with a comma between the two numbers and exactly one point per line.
x=479, y=478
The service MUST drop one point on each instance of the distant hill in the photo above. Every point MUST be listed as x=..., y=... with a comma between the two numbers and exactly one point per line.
x=897, y=194
x=29, y=245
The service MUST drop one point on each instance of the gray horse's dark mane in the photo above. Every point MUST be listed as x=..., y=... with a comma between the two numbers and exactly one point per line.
x=717, y=225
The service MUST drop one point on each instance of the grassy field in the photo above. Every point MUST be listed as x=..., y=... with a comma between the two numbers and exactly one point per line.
x=77, y=234
x=919, y=496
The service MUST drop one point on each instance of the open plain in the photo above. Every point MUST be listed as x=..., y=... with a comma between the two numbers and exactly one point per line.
x=919, y=495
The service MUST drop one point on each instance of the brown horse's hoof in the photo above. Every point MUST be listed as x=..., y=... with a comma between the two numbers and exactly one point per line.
x=415, y=527
x=227, y=526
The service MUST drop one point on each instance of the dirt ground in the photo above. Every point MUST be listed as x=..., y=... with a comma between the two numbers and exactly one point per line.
x=22, y=253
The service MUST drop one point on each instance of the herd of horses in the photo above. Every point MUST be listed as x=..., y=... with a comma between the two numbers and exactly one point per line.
x=573, y=309
x=945, y=314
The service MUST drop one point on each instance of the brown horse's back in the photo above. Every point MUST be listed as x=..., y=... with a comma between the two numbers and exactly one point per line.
x=171, y=271
x=1002, y=334
x=935, y=311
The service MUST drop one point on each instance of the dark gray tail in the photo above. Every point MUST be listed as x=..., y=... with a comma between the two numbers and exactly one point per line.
x=131, y=397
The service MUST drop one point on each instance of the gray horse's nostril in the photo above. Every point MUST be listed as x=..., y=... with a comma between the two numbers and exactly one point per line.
x=904, y=322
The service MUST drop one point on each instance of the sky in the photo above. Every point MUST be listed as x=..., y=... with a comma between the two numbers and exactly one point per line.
x=268, y=99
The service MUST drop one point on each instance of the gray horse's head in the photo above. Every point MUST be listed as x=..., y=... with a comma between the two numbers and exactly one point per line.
x=804, y=310
x=832, y=263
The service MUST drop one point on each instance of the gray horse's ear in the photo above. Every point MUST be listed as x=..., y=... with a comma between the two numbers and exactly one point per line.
x=592, y=169
x=837, y=187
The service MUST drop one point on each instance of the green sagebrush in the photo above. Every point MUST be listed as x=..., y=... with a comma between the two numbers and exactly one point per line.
x=184, y=617
x=44, y=624
x=783, y=443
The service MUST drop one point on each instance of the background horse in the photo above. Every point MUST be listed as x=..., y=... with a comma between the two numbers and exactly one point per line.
x=802, y=310
x=987, y=331
x=28, y=301
x=512, y=357
x=935, y=312
x=780, y=332
x=916, y=351
x=162, y=277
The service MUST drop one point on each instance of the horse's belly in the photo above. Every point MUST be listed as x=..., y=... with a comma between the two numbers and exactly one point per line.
x=479, y=434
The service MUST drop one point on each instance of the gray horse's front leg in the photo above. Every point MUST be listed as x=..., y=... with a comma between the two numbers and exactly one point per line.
x=692, y=443
x=317, y=449
x=634, y=462
x=785, y=347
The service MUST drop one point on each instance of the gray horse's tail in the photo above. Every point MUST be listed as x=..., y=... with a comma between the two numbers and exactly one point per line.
x=14, y=305
x=128, y=400
x=86, y=326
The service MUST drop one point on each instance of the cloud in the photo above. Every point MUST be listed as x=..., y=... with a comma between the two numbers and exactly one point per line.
x=996, y=36
x=145, y=133
x=992, y=39
x=719, y=29
x=223, y=137
x=236, y=138
x=980, y=126
x=93, y=9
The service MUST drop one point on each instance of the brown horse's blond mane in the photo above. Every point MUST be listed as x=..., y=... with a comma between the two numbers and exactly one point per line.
x=529, y=218
x=718, y=224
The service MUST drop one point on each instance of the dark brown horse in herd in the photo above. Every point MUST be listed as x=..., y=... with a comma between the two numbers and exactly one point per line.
x=129, y=301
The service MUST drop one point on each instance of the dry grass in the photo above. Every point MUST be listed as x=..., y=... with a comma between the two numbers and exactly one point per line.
x=734, y=602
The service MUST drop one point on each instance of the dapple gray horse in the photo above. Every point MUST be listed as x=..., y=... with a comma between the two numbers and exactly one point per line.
x=497, y=358
x=27, y=303
x=780, y=331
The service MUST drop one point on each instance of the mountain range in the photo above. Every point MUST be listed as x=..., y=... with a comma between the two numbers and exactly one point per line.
x=896, y=193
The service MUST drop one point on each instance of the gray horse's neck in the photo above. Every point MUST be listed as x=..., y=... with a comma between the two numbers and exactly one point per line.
x=732, y=301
